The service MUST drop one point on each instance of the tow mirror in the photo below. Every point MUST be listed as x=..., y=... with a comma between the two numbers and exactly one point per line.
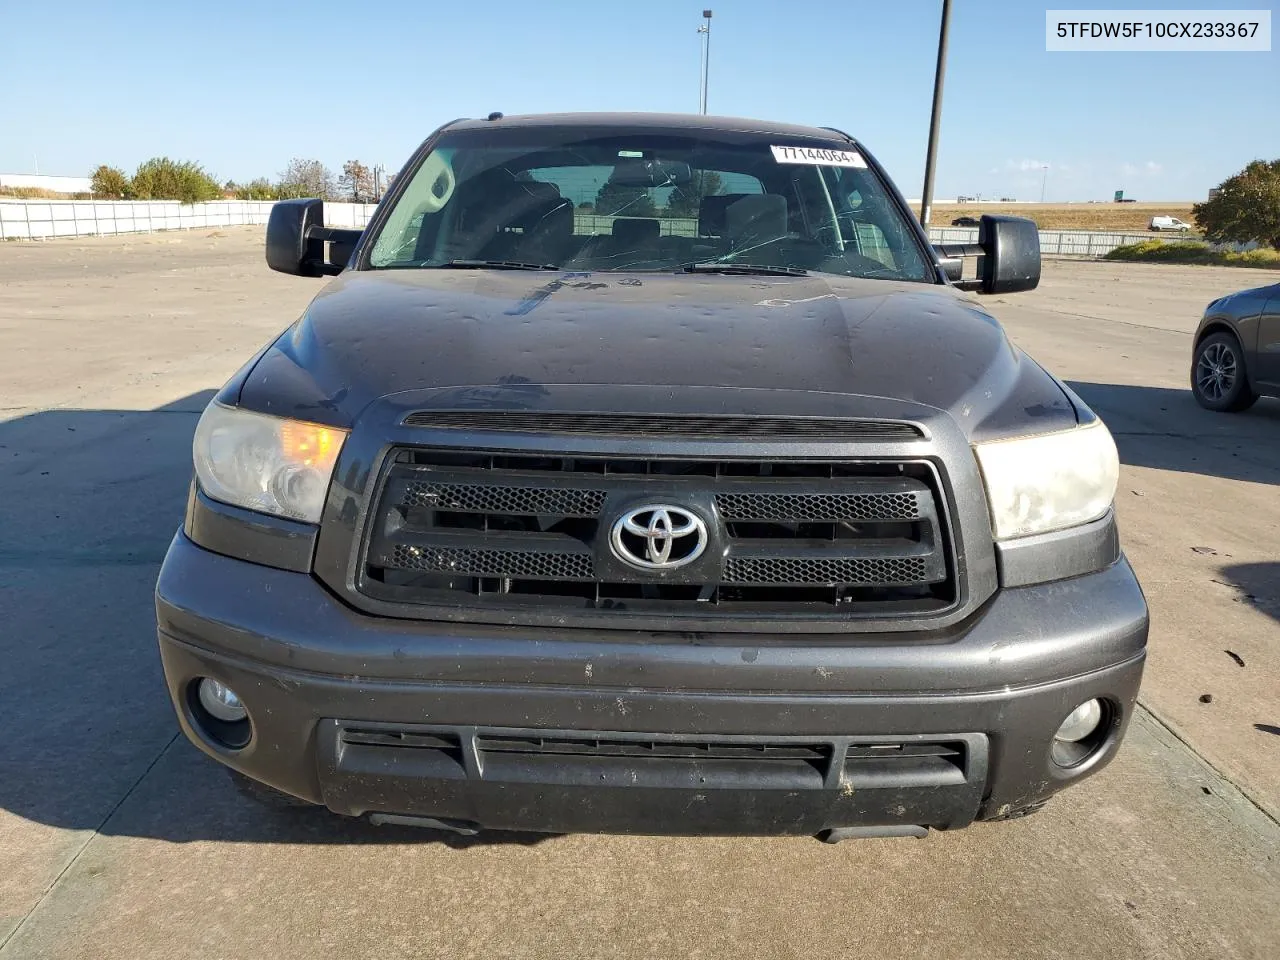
x=298, y=242
x=1008, y=252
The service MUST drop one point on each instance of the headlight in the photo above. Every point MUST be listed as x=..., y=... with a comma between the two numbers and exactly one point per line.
x=1038, y=484
x=263, y=463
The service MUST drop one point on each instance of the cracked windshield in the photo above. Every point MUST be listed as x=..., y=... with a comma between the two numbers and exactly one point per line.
x=657, y=203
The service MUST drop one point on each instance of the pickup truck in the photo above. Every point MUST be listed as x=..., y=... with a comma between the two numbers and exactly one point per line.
x=651, y=474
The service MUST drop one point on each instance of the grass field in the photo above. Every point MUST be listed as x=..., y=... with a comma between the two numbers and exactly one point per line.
x=1115, y=217
x=1156, y=251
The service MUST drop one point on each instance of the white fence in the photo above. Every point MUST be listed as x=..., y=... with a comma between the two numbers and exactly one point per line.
x=1065, y=243
x=44, y=219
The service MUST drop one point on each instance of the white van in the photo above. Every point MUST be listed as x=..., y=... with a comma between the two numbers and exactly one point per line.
x=1169, y=223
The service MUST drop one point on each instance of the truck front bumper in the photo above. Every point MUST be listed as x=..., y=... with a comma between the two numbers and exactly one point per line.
x=631, y=732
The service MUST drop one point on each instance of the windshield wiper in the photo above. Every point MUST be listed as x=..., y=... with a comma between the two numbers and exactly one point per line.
x=758, y=269
x=496, y=265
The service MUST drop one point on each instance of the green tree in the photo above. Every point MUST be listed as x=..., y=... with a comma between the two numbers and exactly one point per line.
x=110, y=183
x=257, y=189
x=356, y=181
x=1245, y=206
x=616, y=199
x=163, y=179
x=306, y=178
x=685, y=200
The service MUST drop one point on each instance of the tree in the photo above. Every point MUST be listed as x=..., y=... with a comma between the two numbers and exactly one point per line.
x=685, y=200
x=615, y=199
x=163, y=179
x=257, y=189
x=306, y=178
x=110, y=183
x=1245, y=207
x=356, y=181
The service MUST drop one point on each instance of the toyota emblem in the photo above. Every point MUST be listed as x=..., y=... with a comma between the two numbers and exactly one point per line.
x=658, y=536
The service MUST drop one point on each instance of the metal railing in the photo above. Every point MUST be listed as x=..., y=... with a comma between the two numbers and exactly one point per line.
x=1063, y=243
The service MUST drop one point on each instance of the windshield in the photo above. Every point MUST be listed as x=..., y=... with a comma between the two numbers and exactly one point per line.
x=585, y=199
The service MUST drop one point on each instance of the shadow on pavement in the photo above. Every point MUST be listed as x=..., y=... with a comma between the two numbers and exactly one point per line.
x=1166, y=429
x=89, y=500
x=1259, y=585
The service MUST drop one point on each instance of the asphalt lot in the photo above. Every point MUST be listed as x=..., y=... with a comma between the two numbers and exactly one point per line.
x=118, y=839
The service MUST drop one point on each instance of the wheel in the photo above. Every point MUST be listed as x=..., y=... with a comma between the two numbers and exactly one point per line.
x=1218, y=378
x=260, y=793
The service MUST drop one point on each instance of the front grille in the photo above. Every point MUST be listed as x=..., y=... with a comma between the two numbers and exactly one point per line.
x=516, y=501
x=653, y=425
x=789, y=507
x=533, y=564
x=862, y=571
x=483, y=531
x=839, y=763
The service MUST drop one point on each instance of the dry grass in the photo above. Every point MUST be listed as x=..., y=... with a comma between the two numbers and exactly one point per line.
x=1109, y=217
x=38, y=193
x=1155, y=251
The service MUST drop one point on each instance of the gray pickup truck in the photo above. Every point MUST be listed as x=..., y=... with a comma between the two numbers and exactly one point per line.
x=651, y=474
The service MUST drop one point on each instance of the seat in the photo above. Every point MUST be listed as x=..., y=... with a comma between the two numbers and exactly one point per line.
x=711, y=213
x=636, y=231
x=755, y=219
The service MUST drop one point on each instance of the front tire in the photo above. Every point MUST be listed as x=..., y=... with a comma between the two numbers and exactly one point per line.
x=1218, y=378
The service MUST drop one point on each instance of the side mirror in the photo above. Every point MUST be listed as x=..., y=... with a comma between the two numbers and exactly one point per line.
x=1011, y=254
x=1008, y=252
x=299, y=243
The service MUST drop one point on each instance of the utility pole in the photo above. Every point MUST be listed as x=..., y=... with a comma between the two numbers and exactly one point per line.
x=1044, y=182
x=705, y=30
x=926, y=198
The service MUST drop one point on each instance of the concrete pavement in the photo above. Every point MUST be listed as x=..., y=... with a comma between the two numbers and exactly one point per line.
x=118, y=839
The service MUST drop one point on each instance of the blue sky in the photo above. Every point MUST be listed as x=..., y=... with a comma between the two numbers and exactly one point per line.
x=242, y=87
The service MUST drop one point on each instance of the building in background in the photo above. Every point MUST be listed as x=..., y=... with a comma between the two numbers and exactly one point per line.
x=35, y=181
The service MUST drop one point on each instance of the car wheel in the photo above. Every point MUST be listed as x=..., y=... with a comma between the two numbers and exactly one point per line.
x=266, y=796
x=1218, y=378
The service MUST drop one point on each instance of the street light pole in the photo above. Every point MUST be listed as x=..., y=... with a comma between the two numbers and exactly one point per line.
x=926, y=199
x=1044, y=182
x=705, y=30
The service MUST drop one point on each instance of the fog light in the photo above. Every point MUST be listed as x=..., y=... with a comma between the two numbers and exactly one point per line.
x=221, y=701
x=1080, y=722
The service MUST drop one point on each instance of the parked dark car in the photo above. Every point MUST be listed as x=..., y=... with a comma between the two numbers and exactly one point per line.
x=1236, y=357
x=718, y=509
x=965, y=222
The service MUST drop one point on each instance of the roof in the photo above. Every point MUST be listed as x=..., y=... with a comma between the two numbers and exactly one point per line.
x=665, y=121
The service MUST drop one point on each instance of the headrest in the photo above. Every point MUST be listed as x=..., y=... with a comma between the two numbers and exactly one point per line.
x=553, y=216
x=760, y=216
x=711, y=213
x=636, y=230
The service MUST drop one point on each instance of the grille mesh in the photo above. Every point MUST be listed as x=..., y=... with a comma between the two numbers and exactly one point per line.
x=791, y=507
x=535, y=565
x=483, y=498
x=846, y=570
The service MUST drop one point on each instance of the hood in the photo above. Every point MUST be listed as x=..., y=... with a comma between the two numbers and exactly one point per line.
x=454, y=338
